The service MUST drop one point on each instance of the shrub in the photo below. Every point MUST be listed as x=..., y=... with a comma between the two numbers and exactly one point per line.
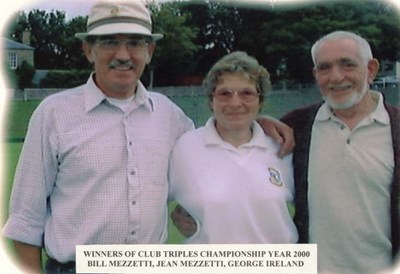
x=25, y=73
x=64, y=79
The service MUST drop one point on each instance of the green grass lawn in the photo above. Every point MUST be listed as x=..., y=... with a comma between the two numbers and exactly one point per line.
x=18, y=115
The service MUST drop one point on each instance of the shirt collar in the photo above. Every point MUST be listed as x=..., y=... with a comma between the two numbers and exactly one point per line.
x=94, y=96
x=143, y=97
x=379, y=114
x=212, y=137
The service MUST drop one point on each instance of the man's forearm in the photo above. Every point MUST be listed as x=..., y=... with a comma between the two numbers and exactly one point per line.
x=29, y=256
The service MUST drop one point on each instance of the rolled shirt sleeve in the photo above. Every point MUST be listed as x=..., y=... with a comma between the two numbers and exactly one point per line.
x=34, y=180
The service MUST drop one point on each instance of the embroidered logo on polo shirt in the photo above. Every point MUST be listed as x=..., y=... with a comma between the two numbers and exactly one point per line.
x=275, y=176
x=115, y=11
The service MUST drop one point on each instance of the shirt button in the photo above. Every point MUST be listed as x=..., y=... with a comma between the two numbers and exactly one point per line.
x=133, y=202
x=342, y=127
x=130, y=143
x=348, y=141
x=133, y=172
x=133, y=232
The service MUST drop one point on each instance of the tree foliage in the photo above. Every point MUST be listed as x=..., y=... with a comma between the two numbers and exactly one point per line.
x=197, y=33
x=173, y=55
x=280, y=36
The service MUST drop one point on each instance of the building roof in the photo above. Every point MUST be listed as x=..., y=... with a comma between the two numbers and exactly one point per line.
x=10, y=44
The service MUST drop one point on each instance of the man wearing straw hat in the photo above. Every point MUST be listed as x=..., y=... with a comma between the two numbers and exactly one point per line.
x=93, y=169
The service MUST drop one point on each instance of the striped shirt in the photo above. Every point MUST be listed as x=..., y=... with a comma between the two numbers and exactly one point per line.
x=90, y=173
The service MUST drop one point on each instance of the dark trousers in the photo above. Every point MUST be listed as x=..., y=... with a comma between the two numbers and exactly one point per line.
x=55, y=267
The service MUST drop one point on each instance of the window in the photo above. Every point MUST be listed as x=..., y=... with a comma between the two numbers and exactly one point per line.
x=12, y=60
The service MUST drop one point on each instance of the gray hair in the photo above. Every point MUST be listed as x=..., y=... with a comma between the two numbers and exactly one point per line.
x=363, y=45
x=238, y=62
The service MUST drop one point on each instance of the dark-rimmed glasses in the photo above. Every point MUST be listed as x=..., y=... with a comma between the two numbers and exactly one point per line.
x=112, y=45
x=225, y=95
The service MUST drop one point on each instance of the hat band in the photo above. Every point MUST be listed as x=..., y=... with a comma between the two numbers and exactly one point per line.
x=121, y=19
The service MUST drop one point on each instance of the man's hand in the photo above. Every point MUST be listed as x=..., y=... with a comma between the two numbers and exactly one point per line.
x=30, y=257
x=183, y=221
x=280, y=132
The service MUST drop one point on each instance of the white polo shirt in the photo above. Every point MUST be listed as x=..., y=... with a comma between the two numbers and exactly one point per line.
x=350, y=172
x=235, y=195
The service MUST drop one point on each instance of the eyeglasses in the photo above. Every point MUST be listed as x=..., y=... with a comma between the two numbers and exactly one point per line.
x=112, y=45
x=225, y=95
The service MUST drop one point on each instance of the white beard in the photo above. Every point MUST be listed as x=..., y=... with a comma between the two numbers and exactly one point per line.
x=354, y=99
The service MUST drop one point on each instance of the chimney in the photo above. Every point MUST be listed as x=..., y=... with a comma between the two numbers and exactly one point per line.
x=26, y=37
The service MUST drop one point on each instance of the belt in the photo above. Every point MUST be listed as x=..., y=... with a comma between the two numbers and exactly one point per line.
x=52, y=266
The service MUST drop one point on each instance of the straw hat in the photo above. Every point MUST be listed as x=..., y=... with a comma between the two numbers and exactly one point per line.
x=119, y=17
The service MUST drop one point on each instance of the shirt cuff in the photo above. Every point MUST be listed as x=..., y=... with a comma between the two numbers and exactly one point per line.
x=22, y=229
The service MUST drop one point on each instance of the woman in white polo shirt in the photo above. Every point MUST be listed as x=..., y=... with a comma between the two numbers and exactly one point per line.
x=226, y=174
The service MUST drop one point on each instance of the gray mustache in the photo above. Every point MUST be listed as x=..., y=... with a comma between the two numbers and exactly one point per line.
x=121, y=63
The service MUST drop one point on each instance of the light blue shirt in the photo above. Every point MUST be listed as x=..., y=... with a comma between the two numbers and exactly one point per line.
x=90, y=173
